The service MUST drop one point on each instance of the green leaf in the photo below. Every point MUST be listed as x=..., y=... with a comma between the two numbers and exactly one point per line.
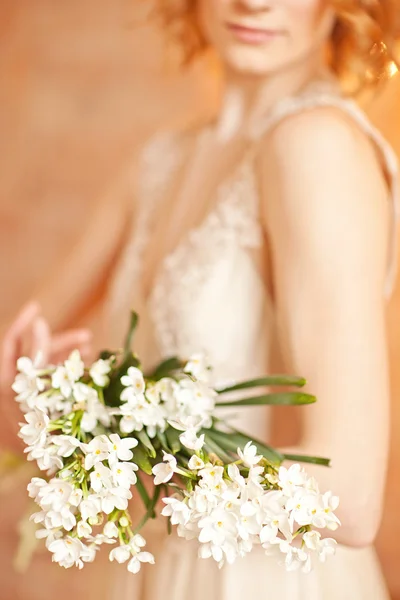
x=141, y=458
x=212, y=446
x=105, y=354
x=142, y=492
x=144, y=438
x=150, y=514
x=112, y=393
x=315, y=460
x=232, y=441
x=267, y=451
x=283, y=399
x=265, y=381
x=173, y=439
x=162, y=438
x=167, y=367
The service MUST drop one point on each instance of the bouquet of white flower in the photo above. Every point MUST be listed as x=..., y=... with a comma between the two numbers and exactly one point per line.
x=98, y=431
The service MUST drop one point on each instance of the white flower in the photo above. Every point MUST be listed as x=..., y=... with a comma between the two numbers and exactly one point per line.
x=55, y=494
x=317, y=509
x=330, y=503
x=219, y=527
x=67, y=552
x=142, y=557
x=27, y=384
x=323, y=547
x=163, y=390
x=138, y=413
x=65, y=377
x=34, y=486
x=83, y=392
x=88, y=553
x=235, y=476
x=110, y=530
x=99, y=372
x=120, y=554
x=49, y=535
x=275, y=524
x=291, y=479
x=101, y=477
x=90, y=507
x=198, y=366
x=132, y=552
x=190, y=440
x=60, y=381
x=195, y=399
x=46, y=458
x=295, y=557
x=212, y=475
x=34, y=433
x=84, y=529
x=164, y=471
x=195, y=463
x=123, y=474
x=178, y=511
x=134, y=382
x=96, y=451
x=120, y=449
x=66, y=444
x=94, y=412
x=76, y=497
x=63, y=518
x=116, y=497
x=28, y=367
x=128, y=423
x=249, y=455
x=74, y=366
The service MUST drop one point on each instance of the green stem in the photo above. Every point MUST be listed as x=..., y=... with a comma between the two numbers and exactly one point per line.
x=129, y=336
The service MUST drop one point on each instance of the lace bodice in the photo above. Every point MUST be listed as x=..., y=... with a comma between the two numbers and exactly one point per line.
x=207, y=294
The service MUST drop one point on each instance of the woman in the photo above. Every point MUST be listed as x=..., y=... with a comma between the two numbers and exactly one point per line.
x=267, y=239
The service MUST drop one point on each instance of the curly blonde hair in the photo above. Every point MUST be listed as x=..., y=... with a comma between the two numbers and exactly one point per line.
x=362, y=42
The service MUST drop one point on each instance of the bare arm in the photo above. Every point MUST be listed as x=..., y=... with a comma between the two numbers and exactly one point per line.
x=326, y=220
x=65, y=290
x=60, y=297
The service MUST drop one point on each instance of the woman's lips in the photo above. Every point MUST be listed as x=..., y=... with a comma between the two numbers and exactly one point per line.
x=252, y=35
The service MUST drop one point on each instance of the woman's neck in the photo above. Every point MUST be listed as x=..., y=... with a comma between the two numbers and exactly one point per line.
x=246, y=97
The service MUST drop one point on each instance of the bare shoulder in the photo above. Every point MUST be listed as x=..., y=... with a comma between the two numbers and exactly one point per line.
x=325, y=153
x=323, y=129
x=321, y=182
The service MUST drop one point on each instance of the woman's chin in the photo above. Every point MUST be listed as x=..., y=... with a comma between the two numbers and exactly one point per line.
x=248, y=60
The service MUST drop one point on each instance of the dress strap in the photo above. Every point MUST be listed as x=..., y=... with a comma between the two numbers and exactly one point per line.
x=323, y=94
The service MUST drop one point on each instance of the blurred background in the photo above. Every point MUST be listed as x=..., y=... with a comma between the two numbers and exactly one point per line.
x=83, y=83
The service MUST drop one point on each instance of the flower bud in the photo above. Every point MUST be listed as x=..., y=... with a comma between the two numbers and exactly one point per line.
x=124, y=522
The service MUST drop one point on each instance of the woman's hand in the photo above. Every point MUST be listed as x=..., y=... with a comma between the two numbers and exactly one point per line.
x=30, y=335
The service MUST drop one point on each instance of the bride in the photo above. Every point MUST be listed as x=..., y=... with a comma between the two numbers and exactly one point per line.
x=267, y=239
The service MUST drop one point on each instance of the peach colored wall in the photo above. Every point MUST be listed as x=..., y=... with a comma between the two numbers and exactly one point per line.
x=80, y=88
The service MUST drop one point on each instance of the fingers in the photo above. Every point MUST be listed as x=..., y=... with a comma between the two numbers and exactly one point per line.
x=24, y=319
x=68, y=340
x=11, y=344
x=30, y=334
x=41, y=340
x=64, y=343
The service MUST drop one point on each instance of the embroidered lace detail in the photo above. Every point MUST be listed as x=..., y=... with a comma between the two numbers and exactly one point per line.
x=234, y=221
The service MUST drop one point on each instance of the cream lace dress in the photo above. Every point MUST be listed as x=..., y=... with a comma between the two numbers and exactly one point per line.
x=208, y=295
